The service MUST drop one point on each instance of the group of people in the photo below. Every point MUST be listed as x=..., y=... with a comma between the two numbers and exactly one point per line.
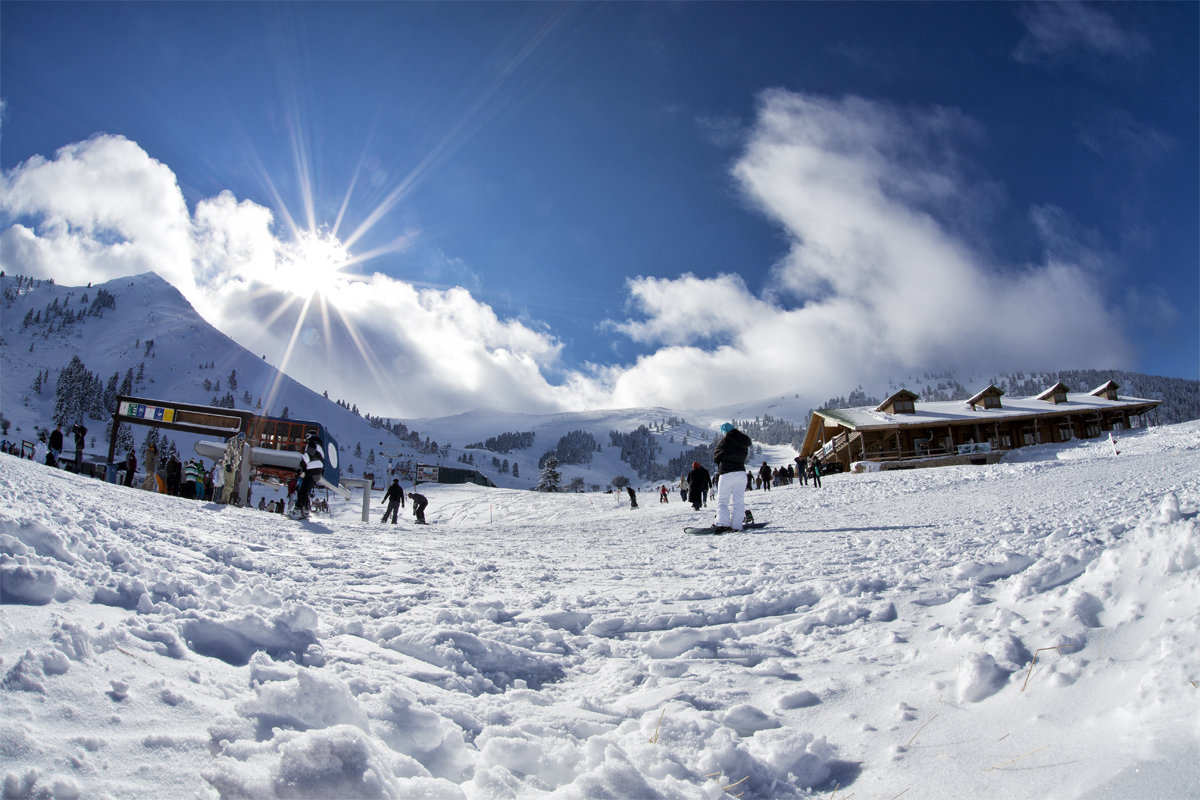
x=48, y=448
x=733, y=479
x=394, y=498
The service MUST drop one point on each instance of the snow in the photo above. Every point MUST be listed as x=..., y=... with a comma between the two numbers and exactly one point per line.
x=1025, y=629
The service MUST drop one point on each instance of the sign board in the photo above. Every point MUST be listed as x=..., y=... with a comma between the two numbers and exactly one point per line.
x=427, y=473
x=974, y=447
x=143, y=411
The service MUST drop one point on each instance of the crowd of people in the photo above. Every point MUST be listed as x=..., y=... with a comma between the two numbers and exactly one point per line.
x=193, y=479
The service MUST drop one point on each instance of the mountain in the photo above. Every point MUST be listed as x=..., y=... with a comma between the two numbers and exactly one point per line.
x=140, y=336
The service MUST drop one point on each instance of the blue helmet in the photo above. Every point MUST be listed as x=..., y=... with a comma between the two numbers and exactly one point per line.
x=726, y=427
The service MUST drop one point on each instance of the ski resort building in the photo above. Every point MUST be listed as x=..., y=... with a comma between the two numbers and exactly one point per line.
x=903, y=433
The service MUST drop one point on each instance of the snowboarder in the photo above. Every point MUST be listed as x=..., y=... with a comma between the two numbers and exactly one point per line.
x=816, y=472
x=419, y=504
x=394, y=497
x=698, y=481
x=730, y=456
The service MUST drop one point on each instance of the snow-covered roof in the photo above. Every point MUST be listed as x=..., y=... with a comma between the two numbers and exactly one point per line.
x=948, y=412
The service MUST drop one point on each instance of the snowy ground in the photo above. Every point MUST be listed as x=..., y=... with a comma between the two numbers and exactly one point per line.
x=1028, y=629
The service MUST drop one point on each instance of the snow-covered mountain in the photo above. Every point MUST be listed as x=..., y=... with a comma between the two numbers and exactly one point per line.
x=141, y=336
x=140, y=333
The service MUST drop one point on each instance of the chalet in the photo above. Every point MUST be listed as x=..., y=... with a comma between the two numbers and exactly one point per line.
x=902, y=432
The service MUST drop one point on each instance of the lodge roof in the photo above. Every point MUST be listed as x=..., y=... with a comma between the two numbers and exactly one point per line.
x=1055, y=393
x=890, y=403
x=990, y=391
x=958, y=411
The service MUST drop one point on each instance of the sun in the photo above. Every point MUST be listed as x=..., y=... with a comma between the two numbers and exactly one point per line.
x=313, y=263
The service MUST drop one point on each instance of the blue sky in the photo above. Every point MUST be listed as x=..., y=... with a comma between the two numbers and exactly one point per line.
x=430, y=207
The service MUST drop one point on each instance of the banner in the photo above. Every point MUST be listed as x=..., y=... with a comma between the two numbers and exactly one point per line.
x=426, y=473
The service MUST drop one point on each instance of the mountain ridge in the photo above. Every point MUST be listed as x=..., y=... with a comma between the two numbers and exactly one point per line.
x=146, y=330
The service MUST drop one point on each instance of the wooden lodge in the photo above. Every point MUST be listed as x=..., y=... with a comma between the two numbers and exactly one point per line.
x=902, y=432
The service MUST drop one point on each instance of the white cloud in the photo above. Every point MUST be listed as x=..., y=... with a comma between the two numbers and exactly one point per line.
x=103, y=208
x=1060, y=30
x=874, y=283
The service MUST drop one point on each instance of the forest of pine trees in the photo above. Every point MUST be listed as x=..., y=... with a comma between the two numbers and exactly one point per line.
x=505, y=443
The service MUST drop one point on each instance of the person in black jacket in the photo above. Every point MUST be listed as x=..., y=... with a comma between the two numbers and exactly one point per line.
x=730, y=456
x=420, y=503
x=394, y=497
x=56, y=445
x=80, y=433
x=312, y=467
x=699, y=480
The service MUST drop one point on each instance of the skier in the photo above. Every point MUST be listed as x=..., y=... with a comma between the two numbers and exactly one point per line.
x=419, y=504
x=662, y=494
x=698, y=481
x=394, y=498
x=730, y=456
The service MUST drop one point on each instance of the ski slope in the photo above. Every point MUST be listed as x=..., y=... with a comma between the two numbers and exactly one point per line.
x=1022, y=630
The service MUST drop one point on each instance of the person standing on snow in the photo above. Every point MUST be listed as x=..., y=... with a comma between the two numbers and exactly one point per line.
x=698, y=481
x=802, y=469
x=218, y=482
x=730, y=456
x=80, y=432
x=130, y=468
x=312, y=463
x=56, y=444
x=394, y=497
x=764, y=472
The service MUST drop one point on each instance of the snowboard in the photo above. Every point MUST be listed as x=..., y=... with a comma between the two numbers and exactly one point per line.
x=712, y=529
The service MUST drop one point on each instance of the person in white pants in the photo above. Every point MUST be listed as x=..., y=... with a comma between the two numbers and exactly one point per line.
x=730, y=456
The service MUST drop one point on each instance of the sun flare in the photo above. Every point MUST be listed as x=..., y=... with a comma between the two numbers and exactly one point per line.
x=313, y=263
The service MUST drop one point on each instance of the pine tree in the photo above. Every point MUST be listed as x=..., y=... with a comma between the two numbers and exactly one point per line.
x=550, y=480
x=125, y=442
x=70, y=395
